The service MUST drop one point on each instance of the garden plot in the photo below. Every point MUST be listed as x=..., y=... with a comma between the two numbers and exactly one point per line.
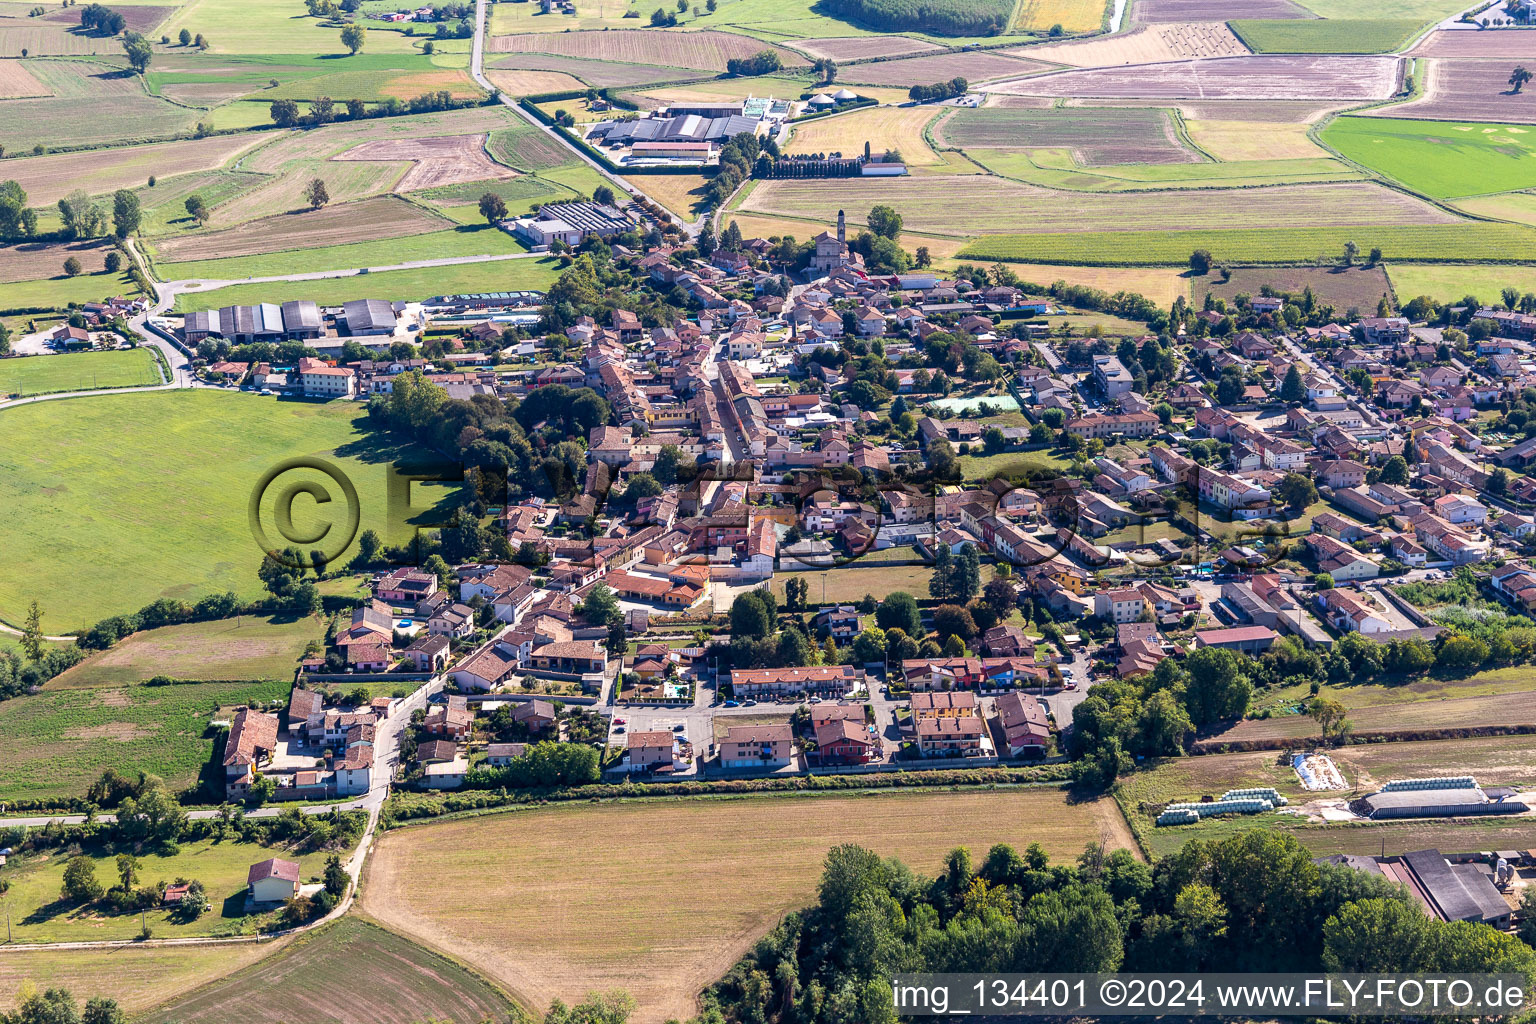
x=446, y=160
x=863, y=47
x=1148, y=11
x=1245, y=78
x=16, y=82
x=976, y=66
x=364, y=221
x=1469, y=90
x=1126, y=136
x=1145, y=44
x=1507, y=45
x=706, y=51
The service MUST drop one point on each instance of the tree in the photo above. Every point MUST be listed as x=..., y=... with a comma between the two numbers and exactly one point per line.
x=101, y=1010
x=1294, y=389
x=32, y=633
x=1330, y=715
x=1217, y=686
x=1378, y=935
x=284, y=113
x=943, y=570
x=322, y=110
x=138, y=50
x=603, y=196
x=316, y=195
x=80, y=882
x=493, y=208
x=125, y=212
x=353, y=37
x=1200, y=262
x=1395, y=471
x=869, y=647
x=1297, y=490
x=795, y=589
x=953, y=620
x=922, y=258
x=72, y=267
x=336, y=877
x=1323, y=581
x=885, y=222
x=601, y=606
x=1375, y=255
x=197, y=208
x=82, y=216
x=113, y=261
x=899, y=611
x=185, y=37
x=1351, y=250
x=1229, y=389
x=1498, y=481
x=753, y=614
x=1518, y=77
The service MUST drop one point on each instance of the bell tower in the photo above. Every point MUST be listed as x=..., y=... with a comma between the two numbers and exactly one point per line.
x=842, y=228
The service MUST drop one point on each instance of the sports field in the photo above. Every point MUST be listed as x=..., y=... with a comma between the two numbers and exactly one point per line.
x=115, y=468
x=138, y=977
x=521, y=896
x=1440, y=159
x=350, y=972
x=249, y=647
x=78, y=371
x=59, y=741
x=1450, y=282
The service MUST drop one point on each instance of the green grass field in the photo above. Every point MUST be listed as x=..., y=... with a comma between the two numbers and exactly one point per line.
x=1441, y=159
x=500, y=275
x=1450, y=282
x=362, y=973
x=58, y=292
x=1424, y=10
x=250, y=647
x=269, y=28
x=466, y=240
x=1348, y=35
x=155, y=488
x=1450, y=243
x=59, y=741
x=78, y=371
x=38, y=915
x=1032, y=166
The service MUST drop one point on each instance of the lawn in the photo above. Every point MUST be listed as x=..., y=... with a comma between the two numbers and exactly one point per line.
x=39, y=915
x=138, y=977
x=422, y=283
x=852, y=581
x=155, y=488
x=1439, y=158
x=1449, y=243
x=59, y=741
x=521, y=896
x=1344, y=35
x=986, y=467
x=250, y=647
x=350, y=972
x=466, y=240
x=78, y=371
x=1450, y=282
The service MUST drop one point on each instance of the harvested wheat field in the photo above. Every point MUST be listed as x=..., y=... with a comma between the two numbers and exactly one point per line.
x=884, y=128
x=561, y=900
x=1071, y=15
x=34, y=261
x=1250, y=78
x=16, y=82
x=138, y=977
x=1458, y=43
x=1468, y=90
x=1147, y=11
x=1254, y=140
x=517, y=82
x=863, y=47
x=704, y=50
x=446, y=160
x=980, y=205
x=1146, y=44
x=363, y=221
x=976, y=66
x=1270, y=114
x=1095, y=136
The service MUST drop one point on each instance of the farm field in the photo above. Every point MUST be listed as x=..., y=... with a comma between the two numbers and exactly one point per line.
x=1498, y=243
x=382, y=217
x=16, y=82
x=749, y=861
x=138, y=977
x=851, y=582
x=533, y=83
x=47, y=179
x=240, y=28
x=420, y=283
x=792, y=22
x=884, y=128
x=80, y=371
x=1424, y=10
x=1448, y=280
x=52, y=120
x=1160, y=284
x=598, y=73
x=1056, y=168
x=1242, y=78
x=165, y=205
x=1353, y=288
x=1254, y=140
x=59, y=741
x=1468, y=90
x=727, y=89
x=151, y=541
x=863, y=47
x=1094, y=136
x=979, y=205
x=350, y=972
x=1473, y=44
x=704, y=51
x=58, y=292
x=1452, y=713
x=1144, y=44
x=250, y=647
x=1349, y=35
x=1152, y=11
x=38, y=915
x=975, y=66
x=683, y=194
x=1071, y=15
x=1516, y=206
x=521, y=146
x=464, y=240
x=28, y=261
x=1443, y=160
x=410, y=76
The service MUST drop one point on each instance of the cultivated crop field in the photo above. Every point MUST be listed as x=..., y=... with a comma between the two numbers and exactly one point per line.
x=47, y=179
x=434, y=162
x=78, y=371
x=367, y=220
x=249, y=647
x=524, y=147
x=1448, y=280
x=1144, y=44
x=706, y=51
x=17, y=82
x=1440, y=159
x=1474, y=44
x=475, y=239
x=1071, y=15
x=1352, y=288
x=351, y=972
x=1352, y=35
x=863, y=47
x=1145, y=11
x=1254, y=140
x=418, y=283
x=78, y=85
x=520, y=897
x=534, y=83
x=103, y=464
x=1494, y=243
x=38, y=38
x=165, y=205
x=30, y=261
x=59, y=741
x=1251, y=78
x=985, y=205
x=1095, y=136
x=898, y=128
x=137, y=976
x=975, y=66
x=597, y=73
x=1470, y=90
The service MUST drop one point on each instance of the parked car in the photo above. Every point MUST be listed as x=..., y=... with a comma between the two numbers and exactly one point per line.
x=731, y=704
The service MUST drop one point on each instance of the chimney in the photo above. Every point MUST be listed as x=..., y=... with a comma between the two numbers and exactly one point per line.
x=842, y=228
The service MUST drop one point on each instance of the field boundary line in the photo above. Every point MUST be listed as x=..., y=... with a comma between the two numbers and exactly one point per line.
x=1181, y=132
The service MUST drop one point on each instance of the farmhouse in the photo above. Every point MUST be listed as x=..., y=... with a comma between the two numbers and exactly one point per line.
x=252, y=738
